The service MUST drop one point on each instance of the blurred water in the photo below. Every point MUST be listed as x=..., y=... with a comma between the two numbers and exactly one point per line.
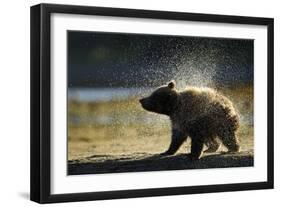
x=104, y=94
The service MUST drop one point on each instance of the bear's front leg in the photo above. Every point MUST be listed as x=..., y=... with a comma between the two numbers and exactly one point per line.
x=177, y=139
x=197, y=145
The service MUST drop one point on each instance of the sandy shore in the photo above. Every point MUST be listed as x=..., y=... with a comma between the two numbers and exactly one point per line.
x=140, y=162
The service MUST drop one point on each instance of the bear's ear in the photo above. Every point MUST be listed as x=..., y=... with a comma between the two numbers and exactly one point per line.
x=172, y=84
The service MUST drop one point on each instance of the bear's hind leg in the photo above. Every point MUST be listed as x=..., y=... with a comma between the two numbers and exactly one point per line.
x=213, y=145
x=177, y=139
x=230, y=141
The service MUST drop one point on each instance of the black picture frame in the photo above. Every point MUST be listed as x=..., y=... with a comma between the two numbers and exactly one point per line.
x=41, y=98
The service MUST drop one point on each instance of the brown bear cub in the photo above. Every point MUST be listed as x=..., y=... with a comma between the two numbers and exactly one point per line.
x=199, y=113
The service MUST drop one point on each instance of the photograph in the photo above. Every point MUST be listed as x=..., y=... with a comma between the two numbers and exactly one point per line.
x=155, y=102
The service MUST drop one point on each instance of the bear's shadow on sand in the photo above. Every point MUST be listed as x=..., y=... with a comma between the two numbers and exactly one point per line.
x=141, y=162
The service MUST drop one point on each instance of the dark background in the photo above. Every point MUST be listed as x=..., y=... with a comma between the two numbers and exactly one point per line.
x=97, y=59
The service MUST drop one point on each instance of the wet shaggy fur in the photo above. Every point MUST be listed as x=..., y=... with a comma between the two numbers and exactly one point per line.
x=202, y=114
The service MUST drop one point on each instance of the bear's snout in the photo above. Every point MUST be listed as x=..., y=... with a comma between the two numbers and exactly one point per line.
x=144, y=103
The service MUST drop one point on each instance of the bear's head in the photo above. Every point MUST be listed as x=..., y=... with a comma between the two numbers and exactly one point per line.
x=162, y=100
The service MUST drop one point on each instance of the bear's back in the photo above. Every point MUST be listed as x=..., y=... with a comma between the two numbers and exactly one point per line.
x=197, y=102
x=196, y=97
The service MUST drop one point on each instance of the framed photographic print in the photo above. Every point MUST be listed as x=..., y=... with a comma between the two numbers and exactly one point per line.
x=133, y=103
